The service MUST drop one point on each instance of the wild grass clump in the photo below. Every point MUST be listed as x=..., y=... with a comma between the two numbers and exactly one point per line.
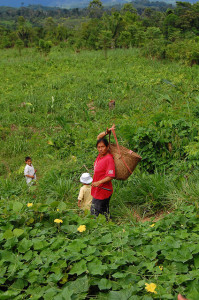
x=56, y=185
x=147, y=193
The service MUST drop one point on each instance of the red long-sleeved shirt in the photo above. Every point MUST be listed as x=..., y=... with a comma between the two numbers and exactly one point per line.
x=103, y=167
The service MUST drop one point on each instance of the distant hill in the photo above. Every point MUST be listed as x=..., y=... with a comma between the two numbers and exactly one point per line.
x=70, y=3
x=63, y=3
x=57, y=3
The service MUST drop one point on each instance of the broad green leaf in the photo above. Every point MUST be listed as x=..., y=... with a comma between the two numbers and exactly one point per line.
x=65, y=294
x=17, y=232
x=61, y=206
x=34, y=277
x=54, y=204
x=96, y=267
x=89, y=250
x=50, y=293
x=19, y=284
x=7, y=256
x=119, y=275
x=24, y=245
x=79, y=268
x=106, y=239
x=104, y=284
x=123, y=294
x=8, y=234
x=17, y=206
x=76, y=245
x=58, y=243
x=79, y=286
x=9, y=294
x=181, y=255
x=40, y=245
x=54, y=278
x=28, y=255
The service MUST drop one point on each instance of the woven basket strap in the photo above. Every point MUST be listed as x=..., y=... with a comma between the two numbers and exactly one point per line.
x=118, y=148
x=109, y=139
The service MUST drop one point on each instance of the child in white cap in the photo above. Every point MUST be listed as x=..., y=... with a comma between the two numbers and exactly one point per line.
x=85, y=198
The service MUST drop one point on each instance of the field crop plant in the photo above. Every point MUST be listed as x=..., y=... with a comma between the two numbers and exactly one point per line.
x=48, y=252
x=53, y=109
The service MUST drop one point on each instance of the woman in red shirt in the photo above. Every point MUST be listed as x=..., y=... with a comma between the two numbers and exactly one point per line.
x=104, y=172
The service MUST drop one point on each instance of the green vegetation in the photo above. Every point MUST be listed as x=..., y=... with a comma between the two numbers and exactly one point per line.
x=52, y=108
x=161, y=31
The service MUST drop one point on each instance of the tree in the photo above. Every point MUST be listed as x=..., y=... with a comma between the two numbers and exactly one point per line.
x=44, y=47
x=115, y=24
x=105, y=40
x=95, y=9
x=19, y=45
x=50, y=28
x=128, y=7
x=23, y=31
x=124, y=39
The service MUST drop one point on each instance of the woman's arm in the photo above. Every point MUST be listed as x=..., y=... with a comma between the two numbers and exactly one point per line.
x=102, y=134
x=104, y=180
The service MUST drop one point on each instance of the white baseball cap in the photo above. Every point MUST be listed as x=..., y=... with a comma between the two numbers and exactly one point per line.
x=86, y=178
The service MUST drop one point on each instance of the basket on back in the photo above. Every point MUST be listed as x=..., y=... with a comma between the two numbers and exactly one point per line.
x=125, y=160
x=122, y=159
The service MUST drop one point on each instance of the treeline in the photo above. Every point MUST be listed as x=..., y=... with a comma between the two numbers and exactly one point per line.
x=173, y=34
x=36, y=13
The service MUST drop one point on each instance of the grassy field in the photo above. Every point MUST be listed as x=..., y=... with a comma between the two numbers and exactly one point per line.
x=52, y=109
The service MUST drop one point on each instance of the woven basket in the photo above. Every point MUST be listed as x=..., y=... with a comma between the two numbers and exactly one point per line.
x=131, y=159
x=125, y=160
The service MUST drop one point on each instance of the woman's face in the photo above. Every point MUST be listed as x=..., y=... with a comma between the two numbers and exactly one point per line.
x=102, y=149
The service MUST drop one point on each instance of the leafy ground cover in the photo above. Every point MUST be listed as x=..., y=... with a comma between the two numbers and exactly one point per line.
x=52, y=109
x=48, y=252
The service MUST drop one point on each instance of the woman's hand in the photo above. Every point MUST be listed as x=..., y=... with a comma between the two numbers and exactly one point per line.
x=104, y=133
x=96, y=183
x=108, y=130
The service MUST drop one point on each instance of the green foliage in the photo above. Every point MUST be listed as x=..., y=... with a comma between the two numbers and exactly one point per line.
x=172, y=35
x=95, y=9
x=42, y=259
x=44, y=47
x=148, y=194
x=53, y=109
x=186, y=51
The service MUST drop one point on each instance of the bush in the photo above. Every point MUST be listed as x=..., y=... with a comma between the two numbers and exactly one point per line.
x=148, y=193
x=186, y=50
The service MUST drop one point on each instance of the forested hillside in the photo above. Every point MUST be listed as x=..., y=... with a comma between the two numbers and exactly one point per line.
x=171, y=34
x=64, y=3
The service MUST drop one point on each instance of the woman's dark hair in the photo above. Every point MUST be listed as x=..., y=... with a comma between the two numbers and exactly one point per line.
x=103, y=140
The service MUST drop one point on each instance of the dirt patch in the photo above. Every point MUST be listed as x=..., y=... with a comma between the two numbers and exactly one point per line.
x=91, y=107
x=13, y=127
x=159, y=215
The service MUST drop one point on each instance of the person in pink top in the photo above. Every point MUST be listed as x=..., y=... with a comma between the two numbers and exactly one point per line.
x=104, y=172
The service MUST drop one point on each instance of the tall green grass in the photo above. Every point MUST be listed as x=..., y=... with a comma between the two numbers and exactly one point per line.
x=45, y=114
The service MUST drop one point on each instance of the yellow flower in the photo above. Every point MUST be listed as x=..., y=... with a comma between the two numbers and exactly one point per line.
x=152, y=225
x=161, y=268
x=57, y=209
x=151, y=287
x=81, y=228
x=58, y=221
x=123, y=230
x=30, y=204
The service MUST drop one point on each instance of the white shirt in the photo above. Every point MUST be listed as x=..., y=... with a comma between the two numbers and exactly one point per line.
x=29, y=170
